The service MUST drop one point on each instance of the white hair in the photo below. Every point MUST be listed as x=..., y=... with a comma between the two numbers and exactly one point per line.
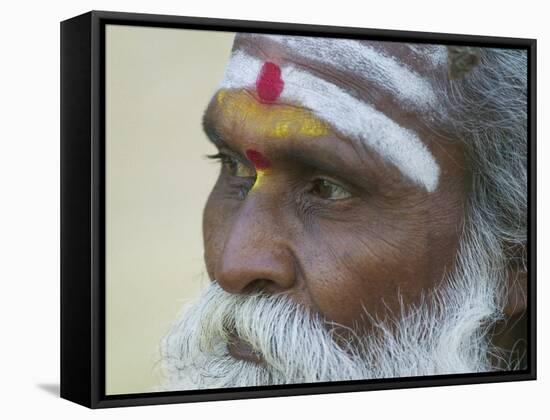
x=488, y=112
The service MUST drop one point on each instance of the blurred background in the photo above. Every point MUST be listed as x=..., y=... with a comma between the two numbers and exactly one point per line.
x=158, y=83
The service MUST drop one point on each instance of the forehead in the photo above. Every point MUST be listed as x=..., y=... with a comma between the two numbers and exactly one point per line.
x=356, y=87
x=404, y=71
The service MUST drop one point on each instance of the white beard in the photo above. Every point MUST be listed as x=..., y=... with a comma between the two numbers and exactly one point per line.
x=446, y=333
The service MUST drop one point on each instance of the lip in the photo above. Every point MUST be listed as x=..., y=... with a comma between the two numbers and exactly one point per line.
x=241, y=350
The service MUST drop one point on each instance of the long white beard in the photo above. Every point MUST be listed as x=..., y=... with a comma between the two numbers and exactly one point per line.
x=446, y=333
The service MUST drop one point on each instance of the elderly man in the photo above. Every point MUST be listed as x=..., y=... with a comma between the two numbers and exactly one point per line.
x=369, y=219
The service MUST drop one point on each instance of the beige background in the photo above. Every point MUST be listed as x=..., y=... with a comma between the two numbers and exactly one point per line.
x=158, y=83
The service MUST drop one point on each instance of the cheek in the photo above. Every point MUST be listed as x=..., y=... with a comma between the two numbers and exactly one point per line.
x=365, y=268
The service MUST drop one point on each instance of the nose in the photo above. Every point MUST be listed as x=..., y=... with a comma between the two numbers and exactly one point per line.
x=256, y=256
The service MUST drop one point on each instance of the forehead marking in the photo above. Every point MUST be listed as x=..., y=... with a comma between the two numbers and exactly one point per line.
x=260, y=178
x=368, y=61
x=354, y=118
x=269, y=84
x=259, y=161
x=270, y=122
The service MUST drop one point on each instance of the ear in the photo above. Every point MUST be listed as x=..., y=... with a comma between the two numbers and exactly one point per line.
x=462, y=60
x=516, y=292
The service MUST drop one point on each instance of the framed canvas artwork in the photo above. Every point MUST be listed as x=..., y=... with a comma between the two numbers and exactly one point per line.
x=254, y=209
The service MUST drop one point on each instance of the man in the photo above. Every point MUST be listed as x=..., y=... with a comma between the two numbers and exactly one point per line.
x=369, y=219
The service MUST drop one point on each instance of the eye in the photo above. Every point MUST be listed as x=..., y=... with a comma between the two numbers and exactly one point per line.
x=233, y=166
x=237, y=168
x=328, y=190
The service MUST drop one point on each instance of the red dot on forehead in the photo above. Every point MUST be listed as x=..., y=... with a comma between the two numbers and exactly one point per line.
x=258, y=160
x=269, y=84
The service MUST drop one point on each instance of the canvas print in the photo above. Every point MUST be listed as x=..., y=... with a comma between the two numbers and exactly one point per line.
x=288, y=209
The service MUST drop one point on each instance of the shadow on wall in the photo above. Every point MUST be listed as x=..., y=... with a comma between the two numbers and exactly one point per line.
x=52, y=389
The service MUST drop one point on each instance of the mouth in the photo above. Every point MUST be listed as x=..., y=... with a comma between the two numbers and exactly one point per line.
x=242, y=350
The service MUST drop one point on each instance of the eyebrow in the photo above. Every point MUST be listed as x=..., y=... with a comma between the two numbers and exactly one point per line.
x=319, y=158
x=219, y=141
x=351, y=117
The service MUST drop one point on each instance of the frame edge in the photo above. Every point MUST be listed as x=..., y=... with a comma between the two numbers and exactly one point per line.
x=75, y=161
x=81, y=129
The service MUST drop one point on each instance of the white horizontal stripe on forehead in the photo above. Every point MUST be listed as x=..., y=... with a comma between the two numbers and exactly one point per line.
x=436, y=54
x=352, y=117
x=404, y=83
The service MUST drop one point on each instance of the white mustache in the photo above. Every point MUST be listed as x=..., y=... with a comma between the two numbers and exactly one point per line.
x=274, y=327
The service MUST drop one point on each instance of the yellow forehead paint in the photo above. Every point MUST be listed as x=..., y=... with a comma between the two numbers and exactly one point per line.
x=261, y=163
x=260, y=178
x=270, y=120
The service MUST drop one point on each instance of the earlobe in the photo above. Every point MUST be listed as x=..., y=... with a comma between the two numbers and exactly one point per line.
x=516, y=293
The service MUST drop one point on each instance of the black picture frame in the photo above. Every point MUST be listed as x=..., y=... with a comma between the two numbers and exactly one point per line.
x=83, y=210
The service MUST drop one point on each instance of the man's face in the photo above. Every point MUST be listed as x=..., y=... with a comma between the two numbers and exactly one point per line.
x=300, y=209
x=336, y=236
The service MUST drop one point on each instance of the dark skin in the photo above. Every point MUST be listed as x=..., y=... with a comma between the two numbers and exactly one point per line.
x=334, y=226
